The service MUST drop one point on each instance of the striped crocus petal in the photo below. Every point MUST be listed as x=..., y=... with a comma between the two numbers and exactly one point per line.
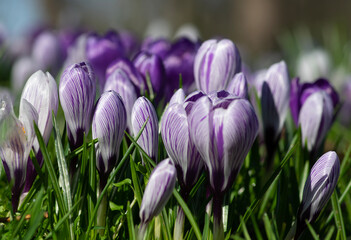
x=223, y=131
x=275, y=98
x=128, y=67
x=158, y=190
x=152, y=66
x=17, y=137
x=319, y=186
x=216, y=62
x=177, y=97
x=109, y=124
x=119, y=81
x=238, y=86
x=180, y=148
x=41, y=91
x=144, y=110
x=315, y=118
x=77, y=96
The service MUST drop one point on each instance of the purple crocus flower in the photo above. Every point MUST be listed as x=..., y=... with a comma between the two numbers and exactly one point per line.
x=130, y=43
x=216, y=62
x=315, y=119
x=41, y=91
x=180, y=61
x=21, y=71
x=300, y=92
x=157, y=192
x=148, y=140
x=77, y=96
x=176, y=138
x=238, y=86
x=223, y=128
x=120, y=82
x=108, y=126
x=344, y=115
x=129, y=68
x=151, y=65
x=159, y=46
x=318, y=189
x=101, y=51
x=16, y=140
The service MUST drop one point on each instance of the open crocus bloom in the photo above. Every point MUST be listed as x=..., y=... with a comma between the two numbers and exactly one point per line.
x=16, y=140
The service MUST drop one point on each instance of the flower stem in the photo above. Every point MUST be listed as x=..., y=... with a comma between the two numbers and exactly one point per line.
x=218, y=231
x=142, y=231
x=101, y=214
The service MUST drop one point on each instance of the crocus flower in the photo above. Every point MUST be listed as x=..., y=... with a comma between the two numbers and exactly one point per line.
x=344, y=115
x=133, y=74
x=41, y=91
x=223, y=128
x=315, y=119
x=108, y=126
x=159, y=46
x=77, y=96
x=144, y=110
x=216, y=62
x=101, y=51
x=151, y=65
x=238, y=86
x=300, y=92
x=180, y=61
x=318, y=189
x=176, y=138
x=47, y=51
x=130, y=43
x=77, y=52
x=17, y=136
x=120, y=82
x=157, y=192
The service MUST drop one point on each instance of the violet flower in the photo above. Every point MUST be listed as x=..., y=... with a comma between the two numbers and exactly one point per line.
x=315, y=119
x=223, y=128
x=77, y=96
x=300, y=92
x=318, y=189
x=144, y=110
x=16, y=140
x=216, y=62
x=157, y=193
x=41, y=91
x=159, y=46
x=130, y=43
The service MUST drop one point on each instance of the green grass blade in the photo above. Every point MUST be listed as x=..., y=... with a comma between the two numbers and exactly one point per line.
x=136, y=184
x=165, y=221
x=268, y=227
x=338, y=216
x=312, y=231
x=276, y=173
x=206, y=230
x=246, y=233
x=130, y=223
x=36, y=217
x=188, y=214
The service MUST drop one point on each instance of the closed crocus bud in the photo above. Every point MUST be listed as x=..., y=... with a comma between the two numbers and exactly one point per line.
x=41, y=91
x=159, y=46
x=119, y=81
x=101, y=51
x=108, y=126
x=150, y=65
x=300, y=92
x=180, y=61
x=17, y=136
x=238, y=86
x=176, y=138
x=133, y=74
x=77, y=96
x=144, y=110
x=47, y=51
x=158, y=191
x=216, y=62
x=315, y=119
x=318, y=189
x=275, y=100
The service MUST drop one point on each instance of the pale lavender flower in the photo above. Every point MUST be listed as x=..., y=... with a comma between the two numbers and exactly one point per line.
x=315, y=119
x=108, y=126
x=21, y=71
x=77, y=96
x=318, y=189
x=216, y=62
x=16, y=140
x=238, y=86
x=144, y=110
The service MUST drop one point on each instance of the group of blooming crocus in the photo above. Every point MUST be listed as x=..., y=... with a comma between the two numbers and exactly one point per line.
x=111, y=86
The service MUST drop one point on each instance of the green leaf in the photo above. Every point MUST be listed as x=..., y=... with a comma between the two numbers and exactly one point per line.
x=312, y=231
x=126, y=181
x=130, y=223
x=137, y=188
x=338, y=216
x=115, y=207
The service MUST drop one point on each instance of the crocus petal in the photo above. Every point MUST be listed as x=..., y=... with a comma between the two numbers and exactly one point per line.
x=238, y=86
x=177, y=97
x=143, y=110
x=158, y=190
x=109, y=124
x=315, y=119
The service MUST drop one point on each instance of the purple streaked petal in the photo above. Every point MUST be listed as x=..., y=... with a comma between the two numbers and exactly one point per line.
x=238, y=86
x=178, y=97
x=295, y=105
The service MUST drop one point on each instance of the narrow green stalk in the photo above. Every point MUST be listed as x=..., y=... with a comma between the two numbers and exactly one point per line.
x=142, y=231
x=218, y=230
x=101, y=214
